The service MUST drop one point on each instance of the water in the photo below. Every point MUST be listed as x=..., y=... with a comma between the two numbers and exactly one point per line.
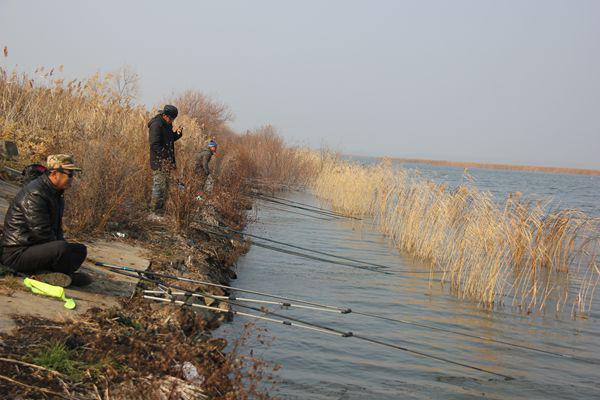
x=317, y=366
x=562, y=191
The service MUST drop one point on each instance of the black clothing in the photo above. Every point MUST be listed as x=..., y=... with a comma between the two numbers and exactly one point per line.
x=202, y=162
x=35, y=215
x=56, y=256
x=162, y=143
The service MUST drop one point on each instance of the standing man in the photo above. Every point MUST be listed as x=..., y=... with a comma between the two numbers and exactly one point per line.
x=202, y=161
x=162, y=155
x=33, y=240
x=201, y=167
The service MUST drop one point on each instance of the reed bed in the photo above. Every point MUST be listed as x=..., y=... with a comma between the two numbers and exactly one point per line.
x=97, y=120
x=514, y=252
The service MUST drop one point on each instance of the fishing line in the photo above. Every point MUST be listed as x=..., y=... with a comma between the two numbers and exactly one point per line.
x=291, y=321
x=270, y=207
x=141, y=272
x=303, y=207
x=328, y=213
x=318, y=306
x=305, y=248
x=311, y=257
x=298, y=203
x=308, y=256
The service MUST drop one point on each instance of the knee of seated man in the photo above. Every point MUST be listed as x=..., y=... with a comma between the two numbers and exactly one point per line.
x=80, y=249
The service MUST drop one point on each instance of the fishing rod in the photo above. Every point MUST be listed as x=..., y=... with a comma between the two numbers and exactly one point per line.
x=308, y=256
x=303, y=207
x=337, y=309
x=270, y=207
x=242, y=314
x=291, y=321
x=303, y=248
x=311, y=257
x=298, y=203
x=328, y=213
x=247, y=300
x=141, y=272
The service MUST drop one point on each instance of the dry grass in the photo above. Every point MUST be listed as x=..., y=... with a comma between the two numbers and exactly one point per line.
x=516, y=253
x=95, y=120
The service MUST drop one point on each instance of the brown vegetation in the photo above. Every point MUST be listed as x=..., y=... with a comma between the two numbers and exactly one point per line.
x=96, y=120
x=532, y=168
x=516, y=253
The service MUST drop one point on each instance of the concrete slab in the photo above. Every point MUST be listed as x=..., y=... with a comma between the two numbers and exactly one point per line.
x=104, y=292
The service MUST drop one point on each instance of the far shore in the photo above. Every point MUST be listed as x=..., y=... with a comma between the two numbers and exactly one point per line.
x=533, y=168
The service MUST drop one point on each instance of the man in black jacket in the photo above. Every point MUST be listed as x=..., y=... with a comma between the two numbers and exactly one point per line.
x=162, y=153
x=33, y=240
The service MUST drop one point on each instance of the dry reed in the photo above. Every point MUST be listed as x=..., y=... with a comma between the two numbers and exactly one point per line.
x=95, y=119
x=512, y=253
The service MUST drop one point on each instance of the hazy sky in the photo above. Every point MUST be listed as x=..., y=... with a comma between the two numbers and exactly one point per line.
x=496, y=81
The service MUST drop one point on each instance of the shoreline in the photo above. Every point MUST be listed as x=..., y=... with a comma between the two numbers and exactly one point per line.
x=501, y=166
x=139, y=346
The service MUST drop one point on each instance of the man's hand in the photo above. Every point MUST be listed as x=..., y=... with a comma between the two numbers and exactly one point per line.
x=180, y=130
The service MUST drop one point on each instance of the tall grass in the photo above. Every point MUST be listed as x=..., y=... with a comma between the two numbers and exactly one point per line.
x=95, y=119
x=515, y=252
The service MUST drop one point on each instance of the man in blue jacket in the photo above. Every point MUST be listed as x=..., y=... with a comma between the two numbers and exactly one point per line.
x=162, y=154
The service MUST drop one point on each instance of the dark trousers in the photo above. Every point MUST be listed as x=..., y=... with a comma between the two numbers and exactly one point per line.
x=57, y=256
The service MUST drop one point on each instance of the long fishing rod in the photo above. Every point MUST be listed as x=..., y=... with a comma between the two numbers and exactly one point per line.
x=304, y=207
x=323, y=218
x=242, y=314
x=323, y=329
x=308, y=256
x=282, y=304
x=342, y=310
x=298, y=203
x=311, y=257
x=328, y=213
x=141, y=272
x=301, y=248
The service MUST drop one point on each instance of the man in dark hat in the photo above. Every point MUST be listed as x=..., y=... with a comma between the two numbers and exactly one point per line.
x=162, y=155
x=33, y=241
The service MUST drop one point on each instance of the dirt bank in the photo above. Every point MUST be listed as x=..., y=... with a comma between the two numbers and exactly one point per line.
x=130, y=348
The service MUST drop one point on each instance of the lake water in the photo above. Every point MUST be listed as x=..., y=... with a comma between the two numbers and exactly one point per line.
x=320, y=366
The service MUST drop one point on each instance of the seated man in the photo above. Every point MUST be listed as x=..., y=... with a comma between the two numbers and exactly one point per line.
x=33, y=241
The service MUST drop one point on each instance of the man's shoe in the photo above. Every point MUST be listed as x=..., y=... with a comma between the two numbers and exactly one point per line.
x=80, y=279
x=53, y=278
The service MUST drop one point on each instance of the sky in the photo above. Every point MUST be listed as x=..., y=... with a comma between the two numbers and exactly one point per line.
x=490, y=81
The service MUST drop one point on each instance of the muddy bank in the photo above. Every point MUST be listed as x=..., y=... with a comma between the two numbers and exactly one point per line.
x=137, y=349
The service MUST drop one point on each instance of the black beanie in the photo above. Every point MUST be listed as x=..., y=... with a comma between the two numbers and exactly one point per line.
x=170, y=111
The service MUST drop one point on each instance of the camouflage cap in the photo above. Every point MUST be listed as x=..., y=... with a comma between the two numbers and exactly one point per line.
x=62, y=161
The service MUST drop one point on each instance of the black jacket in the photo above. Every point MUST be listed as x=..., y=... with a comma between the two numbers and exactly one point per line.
x=162, y=143
x=35, y=215
x=202, y=162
